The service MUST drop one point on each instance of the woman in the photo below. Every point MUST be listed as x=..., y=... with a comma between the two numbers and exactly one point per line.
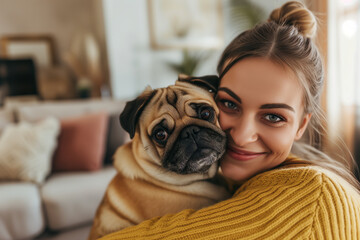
x=271, y=79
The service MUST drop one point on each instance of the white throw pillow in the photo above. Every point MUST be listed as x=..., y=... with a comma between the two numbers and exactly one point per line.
x=26, y=150
x=6, y=117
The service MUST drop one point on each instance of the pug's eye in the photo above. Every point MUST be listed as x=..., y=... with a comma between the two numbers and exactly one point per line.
x=160, y=136
x=206, y=113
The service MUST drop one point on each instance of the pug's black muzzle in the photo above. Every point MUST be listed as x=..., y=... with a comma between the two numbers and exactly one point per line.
x=195, y=150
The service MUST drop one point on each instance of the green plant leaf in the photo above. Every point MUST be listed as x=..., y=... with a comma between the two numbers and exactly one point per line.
x=189, y=63
x=245, y=14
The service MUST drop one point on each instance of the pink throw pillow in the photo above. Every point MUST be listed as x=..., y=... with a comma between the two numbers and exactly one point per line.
x=81, y=143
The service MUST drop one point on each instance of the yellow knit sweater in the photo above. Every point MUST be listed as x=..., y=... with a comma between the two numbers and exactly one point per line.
x=300, y=202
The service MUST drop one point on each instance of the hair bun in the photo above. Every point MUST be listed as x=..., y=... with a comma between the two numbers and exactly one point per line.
x=296, y=14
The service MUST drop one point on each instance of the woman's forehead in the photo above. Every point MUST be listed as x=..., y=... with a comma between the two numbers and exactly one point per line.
x=260, y=79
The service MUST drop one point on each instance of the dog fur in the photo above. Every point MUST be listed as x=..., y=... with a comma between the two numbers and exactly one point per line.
x=156, y=177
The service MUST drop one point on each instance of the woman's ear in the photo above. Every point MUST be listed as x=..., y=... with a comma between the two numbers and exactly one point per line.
x=303, y=126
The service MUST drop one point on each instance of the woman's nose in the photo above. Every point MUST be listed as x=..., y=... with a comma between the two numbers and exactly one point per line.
x=244, y=131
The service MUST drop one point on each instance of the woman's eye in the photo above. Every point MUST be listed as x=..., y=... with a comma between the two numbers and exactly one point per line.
x=273, y=118
x=229, y=104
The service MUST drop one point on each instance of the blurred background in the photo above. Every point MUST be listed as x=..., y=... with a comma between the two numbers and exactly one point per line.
x=79, y=61
x=67, y=49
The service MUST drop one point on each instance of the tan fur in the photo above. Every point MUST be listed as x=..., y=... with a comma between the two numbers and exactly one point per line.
x=142, y=189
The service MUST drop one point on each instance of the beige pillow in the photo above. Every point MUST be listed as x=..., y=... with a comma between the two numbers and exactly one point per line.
x=6, y=117
x=26, y=150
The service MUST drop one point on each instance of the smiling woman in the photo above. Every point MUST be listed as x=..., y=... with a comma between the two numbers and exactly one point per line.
x=271, y=78
x=262, y=114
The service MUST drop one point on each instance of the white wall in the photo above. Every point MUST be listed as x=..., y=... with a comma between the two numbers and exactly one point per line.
x=133, y=64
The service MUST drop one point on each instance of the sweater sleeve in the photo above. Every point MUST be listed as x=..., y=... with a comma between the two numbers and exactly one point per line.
x=279, y=204
x=337, y=213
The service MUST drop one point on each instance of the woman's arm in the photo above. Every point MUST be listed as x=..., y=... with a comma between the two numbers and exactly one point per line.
x=279, y=204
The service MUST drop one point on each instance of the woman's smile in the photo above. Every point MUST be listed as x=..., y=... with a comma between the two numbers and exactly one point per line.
x=243, y=155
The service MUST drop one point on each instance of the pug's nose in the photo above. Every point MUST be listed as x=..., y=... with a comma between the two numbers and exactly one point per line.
x=189, y=131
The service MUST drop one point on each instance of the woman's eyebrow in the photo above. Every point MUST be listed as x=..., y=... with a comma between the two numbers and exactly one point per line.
x=277, y=105
x=231, y=93
x=265, y=106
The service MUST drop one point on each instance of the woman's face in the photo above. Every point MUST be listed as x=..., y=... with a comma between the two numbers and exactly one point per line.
x=262, y=112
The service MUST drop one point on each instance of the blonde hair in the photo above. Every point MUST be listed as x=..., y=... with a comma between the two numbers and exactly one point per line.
x=286, y=38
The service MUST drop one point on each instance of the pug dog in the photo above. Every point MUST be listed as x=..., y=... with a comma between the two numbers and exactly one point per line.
x=172, y=159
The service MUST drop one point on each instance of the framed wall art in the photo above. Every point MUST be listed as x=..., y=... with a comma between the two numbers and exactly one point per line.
x=186, y=24
x=38, y=47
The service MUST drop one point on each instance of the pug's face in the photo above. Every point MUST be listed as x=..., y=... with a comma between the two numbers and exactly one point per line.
x=179, y=128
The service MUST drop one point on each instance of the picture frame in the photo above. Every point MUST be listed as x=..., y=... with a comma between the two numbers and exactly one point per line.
x=186, y=24
x=40, y=48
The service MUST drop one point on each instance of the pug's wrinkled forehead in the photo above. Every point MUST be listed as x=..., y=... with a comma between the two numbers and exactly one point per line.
x=177, y=97
x=179, y=105
x=183, y=98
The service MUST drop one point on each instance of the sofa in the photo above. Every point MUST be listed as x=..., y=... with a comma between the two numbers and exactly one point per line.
x=55, y=165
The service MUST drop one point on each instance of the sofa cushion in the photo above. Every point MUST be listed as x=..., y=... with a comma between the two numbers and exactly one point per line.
x=72, y=198
x=6, y=117
x=77, y=233
x=65, y=109
x=81, y=143
x=21, y=215
x=26, y=150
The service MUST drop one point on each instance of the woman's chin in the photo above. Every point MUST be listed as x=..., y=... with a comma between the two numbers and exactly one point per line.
x=234, y=172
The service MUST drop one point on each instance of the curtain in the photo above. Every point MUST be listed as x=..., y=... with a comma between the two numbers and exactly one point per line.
x=338, y=40
x=343, y=82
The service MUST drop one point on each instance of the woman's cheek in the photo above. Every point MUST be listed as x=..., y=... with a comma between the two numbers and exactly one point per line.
x=225, y=121
x=278, y=140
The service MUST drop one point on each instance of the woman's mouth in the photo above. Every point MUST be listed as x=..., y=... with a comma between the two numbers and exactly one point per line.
x=242, y=155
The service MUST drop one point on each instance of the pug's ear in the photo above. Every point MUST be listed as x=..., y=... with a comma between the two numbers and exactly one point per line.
x=133, y=109
x=208, y=82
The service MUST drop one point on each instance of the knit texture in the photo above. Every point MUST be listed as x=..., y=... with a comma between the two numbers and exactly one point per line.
x=288, y=203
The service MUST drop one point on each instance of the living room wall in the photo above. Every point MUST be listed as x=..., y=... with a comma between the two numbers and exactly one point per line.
x=134, y=64
x=75, y=26
x=122, y=28
x=62, y=19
